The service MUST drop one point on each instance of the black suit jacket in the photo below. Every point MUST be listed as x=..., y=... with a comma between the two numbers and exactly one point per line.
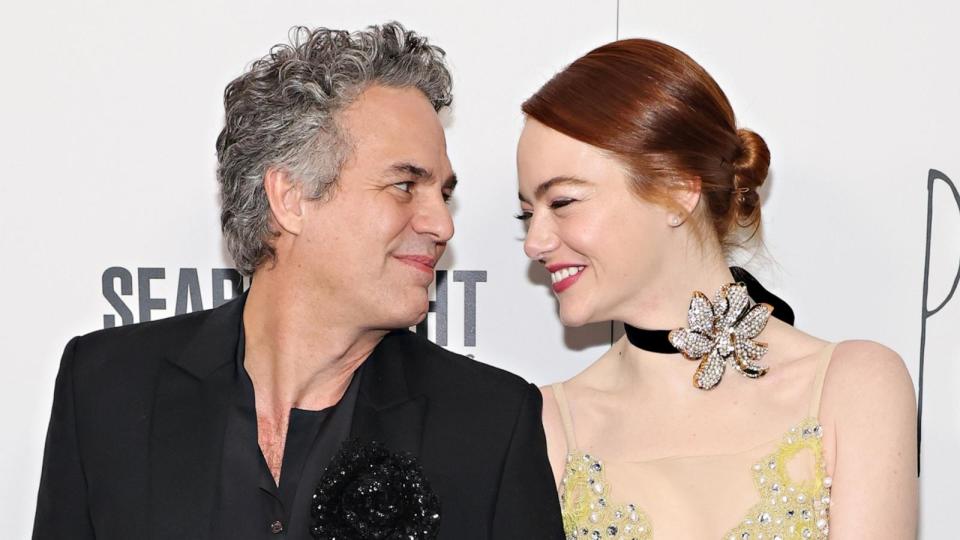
x=135, y=439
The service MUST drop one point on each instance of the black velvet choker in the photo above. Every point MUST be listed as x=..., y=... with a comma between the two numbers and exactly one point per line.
x=657, y=341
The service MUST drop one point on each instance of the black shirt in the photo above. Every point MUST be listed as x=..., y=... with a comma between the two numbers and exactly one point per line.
x=251, y=505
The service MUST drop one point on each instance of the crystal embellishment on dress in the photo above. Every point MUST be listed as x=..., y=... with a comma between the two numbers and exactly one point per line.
x=722, y=331
x=787, y=509
x=587, y=513
x=790, y=510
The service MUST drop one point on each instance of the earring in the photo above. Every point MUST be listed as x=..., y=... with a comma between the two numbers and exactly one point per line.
x=675, y=221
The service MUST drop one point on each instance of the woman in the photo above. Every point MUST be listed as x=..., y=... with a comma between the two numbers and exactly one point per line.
x=634, y=183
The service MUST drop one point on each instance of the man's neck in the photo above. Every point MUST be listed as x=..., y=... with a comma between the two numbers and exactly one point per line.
x=297, y=353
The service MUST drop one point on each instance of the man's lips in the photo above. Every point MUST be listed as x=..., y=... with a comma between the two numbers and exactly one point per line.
x=423, y=263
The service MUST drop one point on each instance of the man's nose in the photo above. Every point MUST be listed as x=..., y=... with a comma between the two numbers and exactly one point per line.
x=433, y=218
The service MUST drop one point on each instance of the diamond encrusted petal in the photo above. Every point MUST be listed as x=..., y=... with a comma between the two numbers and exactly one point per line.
x=678, y=338
x=710, y=371
x=739, y=301
x=747, y=367
x=693, y=345
x=748, y=350
x=754, y=321
x=700, y=315
x=720, y=301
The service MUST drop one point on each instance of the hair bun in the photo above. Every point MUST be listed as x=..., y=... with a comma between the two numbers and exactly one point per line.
x=750, y=170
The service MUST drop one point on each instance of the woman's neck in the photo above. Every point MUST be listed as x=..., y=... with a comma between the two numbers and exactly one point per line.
x=666, y=299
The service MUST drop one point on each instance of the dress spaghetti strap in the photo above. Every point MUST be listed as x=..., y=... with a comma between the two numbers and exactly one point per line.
x=565, y=417
x=822, y=363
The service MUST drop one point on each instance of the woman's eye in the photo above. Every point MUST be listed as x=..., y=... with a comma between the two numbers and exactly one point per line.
x=560, y=203
x=524, y=215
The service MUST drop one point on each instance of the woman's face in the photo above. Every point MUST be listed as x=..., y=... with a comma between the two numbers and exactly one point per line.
x=602, y=244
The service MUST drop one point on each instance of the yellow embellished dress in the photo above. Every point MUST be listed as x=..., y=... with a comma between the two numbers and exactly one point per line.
x=778, y=490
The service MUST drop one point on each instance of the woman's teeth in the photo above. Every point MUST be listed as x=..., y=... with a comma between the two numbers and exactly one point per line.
x=564, y=273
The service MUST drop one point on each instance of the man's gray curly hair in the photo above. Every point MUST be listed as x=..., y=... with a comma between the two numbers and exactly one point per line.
x=282, y=113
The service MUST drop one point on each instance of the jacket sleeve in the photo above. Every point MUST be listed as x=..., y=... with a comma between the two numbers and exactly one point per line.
x=62, y=508
x=527, y=504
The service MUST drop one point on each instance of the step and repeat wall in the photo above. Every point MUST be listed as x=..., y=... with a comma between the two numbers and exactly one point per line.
x=110, y=110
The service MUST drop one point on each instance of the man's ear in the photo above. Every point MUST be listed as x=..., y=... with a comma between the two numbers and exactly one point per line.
x=286, y=199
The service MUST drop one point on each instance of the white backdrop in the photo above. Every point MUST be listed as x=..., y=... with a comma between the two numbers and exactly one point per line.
x=110, y=110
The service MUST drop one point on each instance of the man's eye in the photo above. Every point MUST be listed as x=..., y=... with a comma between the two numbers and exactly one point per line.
x=404, y=186
x=447, y=196
x=560, y=203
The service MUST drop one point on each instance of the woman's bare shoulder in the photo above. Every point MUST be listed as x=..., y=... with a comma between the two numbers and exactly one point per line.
x=874, y=369
x=867, y=380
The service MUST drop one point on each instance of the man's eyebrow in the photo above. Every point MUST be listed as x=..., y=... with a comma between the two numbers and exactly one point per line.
x=451, y=182
x=409, y=168
x=420, y=173
x=555, y=181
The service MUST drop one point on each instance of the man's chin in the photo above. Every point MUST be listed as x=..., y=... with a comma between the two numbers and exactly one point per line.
x=406, y=316
x=422, y=316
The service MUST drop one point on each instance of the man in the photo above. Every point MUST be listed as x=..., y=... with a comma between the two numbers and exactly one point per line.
x=221, y=424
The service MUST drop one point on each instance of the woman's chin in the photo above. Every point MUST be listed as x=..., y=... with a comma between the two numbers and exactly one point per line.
x=573, y=318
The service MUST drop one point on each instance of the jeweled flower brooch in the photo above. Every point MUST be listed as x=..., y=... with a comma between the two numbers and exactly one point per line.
x=722, y=331
x=370, y=493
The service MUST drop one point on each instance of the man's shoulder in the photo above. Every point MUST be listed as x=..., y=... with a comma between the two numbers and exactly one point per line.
x=146, y=334
x=116, y=347
x=485, y=406
x=445, y=369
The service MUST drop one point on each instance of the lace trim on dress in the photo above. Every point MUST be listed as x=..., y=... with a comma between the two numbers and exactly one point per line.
x=787, y=509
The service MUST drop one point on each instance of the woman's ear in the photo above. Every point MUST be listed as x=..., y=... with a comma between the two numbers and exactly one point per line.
x=686, y=197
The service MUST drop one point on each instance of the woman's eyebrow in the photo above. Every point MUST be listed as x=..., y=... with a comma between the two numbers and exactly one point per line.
x=555, y=181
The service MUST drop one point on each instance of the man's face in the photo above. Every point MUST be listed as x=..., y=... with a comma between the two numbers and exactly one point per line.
x=370, y=247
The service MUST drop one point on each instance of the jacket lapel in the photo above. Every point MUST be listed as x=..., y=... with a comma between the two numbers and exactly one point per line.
x=387, y=411
x=194, y=392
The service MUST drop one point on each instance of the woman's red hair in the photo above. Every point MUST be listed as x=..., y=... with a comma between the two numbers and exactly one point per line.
x=662, y=115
